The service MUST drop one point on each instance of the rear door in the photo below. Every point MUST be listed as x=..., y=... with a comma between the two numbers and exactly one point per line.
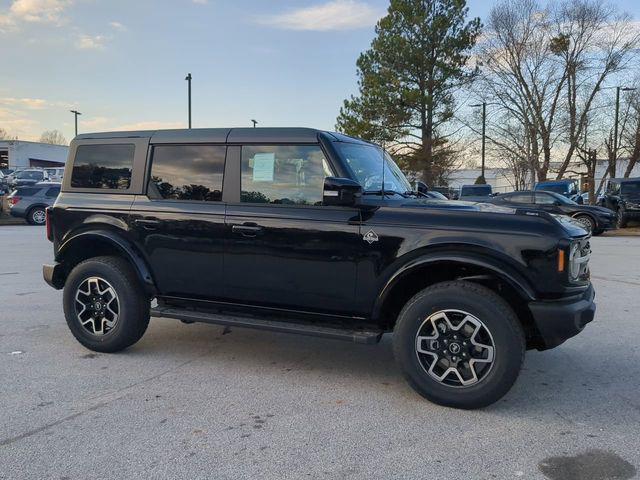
x=179, y=221
x=285, y=249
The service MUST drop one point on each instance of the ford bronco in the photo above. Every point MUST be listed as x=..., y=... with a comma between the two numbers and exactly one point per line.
x=305, y=231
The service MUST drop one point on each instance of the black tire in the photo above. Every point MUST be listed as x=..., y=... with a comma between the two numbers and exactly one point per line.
x=587, y=221
x=132, y=304
x=621, y=219
x=498, y=318
x=36, y=216
x=597, y=232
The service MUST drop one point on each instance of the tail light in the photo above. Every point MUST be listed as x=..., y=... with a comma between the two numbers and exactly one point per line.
x=13, y=200
x=48, y=224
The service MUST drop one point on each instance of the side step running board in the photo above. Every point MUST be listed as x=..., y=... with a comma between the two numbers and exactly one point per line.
x=364, y=335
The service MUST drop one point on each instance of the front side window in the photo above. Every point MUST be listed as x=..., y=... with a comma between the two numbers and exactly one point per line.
x=103, y=166
x=283, y=174
x=630, y=188
x=187, y=172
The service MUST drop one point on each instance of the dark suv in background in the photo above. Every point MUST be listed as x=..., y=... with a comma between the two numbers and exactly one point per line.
x=304, y=231
x=623, y=197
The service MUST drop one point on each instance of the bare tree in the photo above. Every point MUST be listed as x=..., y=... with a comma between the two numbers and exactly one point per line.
x=594, y=43
x=4, y=135
x=54, y=137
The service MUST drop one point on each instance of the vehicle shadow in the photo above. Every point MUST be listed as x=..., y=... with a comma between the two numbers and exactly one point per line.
x=569, y=382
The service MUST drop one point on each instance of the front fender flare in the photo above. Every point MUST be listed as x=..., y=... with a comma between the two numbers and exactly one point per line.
x=501, y=270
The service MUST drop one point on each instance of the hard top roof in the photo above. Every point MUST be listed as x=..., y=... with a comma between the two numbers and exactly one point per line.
x=625, y=180
x=227, y=135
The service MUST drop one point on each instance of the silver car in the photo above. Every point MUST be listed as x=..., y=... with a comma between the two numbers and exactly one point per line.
x=30, y=202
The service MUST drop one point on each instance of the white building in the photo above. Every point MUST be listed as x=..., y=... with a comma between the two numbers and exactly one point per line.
x=21, y=154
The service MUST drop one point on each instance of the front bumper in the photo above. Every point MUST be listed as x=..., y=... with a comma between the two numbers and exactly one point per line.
x=53, y=275
x=559, y=320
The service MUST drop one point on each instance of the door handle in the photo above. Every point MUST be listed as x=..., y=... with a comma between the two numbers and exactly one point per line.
x=147, y=223
x=247, y=230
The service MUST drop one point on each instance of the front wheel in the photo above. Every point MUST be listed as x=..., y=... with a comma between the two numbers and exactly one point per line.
x=459, y=344
x=621, y=219
x=587, y=222
x=104, y=304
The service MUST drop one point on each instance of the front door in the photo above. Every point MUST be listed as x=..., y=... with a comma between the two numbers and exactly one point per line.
x=179, y=223
x=285, y=249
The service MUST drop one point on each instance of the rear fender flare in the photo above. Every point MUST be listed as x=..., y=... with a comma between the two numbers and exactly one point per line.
x=127, y=249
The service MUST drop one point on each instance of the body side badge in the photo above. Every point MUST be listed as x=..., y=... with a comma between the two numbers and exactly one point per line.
x=370, y=237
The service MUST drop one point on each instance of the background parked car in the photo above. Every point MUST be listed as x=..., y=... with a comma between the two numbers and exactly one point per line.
x=28, y=177
x=30, y=202
x=594, y=219
x=623, y=197
x=475, y=193
x=54, y=174
x=435, y=195
x=4, y=185
x=567, y=188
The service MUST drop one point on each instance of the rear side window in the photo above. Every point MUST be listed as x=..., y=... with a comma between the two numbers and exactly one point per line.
x=187, y=172
x=520, y=198
x=103, y=166
x=27, y=191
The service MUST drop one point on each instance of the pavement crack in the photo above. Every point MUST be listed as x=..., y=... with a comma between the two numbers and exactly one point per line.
x=626, y=282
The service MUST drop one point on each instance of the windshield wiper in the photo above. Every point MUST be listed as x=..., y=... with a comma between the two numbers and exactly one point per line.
x=386, y=192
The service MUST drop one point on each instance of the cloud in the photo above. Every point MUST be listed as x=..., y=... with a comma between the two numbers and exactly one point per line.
x=117, y=26
x=201, y=2
x=91, y=42
x=333, y=15
x=30, y=103
x=39, y=11
x=150, y=125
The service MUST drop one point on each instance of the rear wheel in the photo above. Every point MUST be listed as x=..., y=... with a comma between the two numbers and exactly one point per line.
x=459, y=345
x=106, y=308
x=37, y=216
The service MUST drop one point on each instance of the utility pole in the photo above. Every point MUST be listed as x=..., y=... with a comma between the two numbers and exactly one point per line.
x=484, y=132
x=75, y=115
x=188, y=79
x=255, y=122
x=612, y=167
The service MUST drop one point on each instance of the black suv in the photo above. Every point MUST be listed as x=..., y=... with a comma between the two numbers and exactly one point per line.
x=623, y=197
x=305, y=231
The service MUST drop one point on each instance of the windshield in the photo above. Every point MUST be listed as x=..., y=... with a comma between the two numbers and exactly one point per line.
x=30, y=175
x=476, y=190
x=630, y=188
x=366, y=163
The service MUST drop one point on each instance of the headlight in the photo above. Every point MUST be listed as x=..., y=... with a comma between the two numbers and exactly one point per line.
x=579, y=254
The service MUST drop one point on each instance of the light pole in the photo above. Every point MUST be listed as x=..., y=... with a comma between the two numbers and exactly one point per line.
x=188, y=79
x=615, y=129
x=255, y=122
x=75, y=115
x=484, y=130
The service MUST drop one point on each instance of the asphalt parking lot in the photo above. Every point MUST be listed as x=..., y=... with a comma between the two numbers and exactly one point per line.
x=195, y=401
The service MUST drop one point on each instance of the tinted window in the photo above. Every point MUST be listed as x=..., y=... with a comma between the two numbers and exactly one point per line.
x=520, y=198
x=27, y=191
x=103, y=166
x=630, y=188
x=30, y=175
x=187, y=172
x=291, y=175
x=545, y=199
x=476, y=190
x=53, y=192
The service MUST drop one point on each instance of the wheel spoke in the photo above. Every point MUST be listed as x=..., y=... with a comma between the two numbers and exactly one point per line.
x=97, y=305
x=455, y=348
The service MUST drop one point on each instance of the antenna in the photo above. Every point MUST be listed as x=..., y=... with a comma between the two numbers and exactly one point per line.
x=384, y=159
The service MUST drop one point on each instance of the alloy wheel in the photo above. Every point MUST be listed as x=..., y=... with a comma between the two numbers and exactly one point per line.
x=38, y=216
x=97, y=305
x=585, y=222
x=455, y=348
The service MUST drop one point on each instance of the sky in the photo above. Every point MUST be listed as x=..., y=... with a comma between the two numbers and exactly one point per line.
x=122, y=63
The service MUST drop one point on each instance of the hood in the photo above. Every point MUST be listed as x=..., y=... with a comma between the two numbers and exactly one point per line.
x=596, y=209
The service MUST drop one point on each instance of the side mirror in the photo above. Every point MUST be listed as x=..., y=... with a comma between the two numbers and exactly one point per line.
x=341, y=191
x=421, y=187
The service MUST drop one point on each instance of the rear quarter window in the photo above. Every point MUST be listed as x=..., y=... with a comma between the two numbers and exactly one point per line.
x=103, y=166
